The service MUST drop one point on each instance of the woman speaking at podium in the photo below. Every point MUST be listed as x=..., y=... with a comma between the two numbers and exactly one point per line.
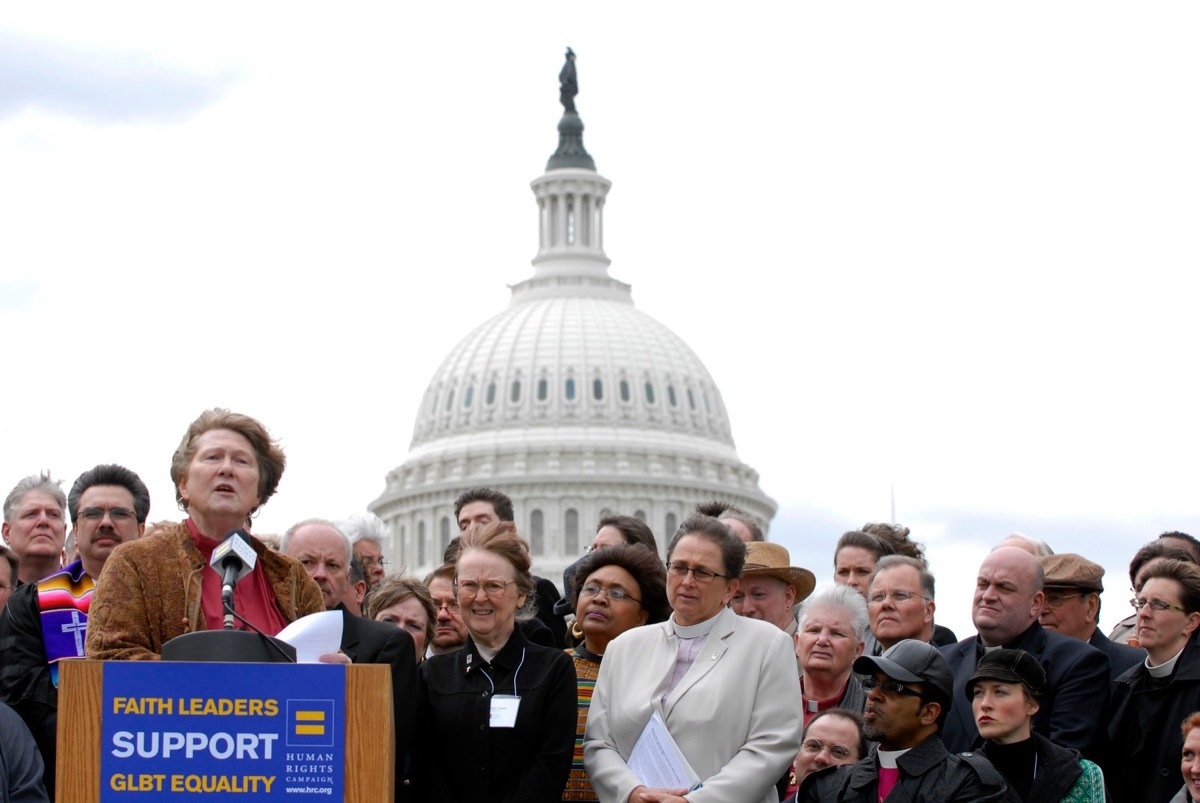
x=157, y=588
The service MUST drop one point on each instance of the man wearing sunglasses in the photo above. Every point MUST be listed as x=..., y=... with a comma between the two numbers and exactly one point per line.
x=46, y=621
x=909, y=691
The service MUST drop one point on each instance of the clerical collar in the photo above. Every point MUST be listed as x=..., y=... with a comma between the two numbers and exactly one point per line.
x=887, y=758
x=694, y=631
x=1166, y=667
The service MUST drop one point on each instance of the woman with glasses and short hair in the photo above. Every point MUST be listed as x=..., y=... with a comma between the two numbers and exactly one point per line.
x=500, y=712
x=617, y=588
x=723, y=685
x=1150, y=700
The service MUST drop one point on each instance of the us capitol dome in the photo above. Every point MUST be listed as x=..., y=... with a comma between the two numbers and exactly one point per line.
x=572, y=401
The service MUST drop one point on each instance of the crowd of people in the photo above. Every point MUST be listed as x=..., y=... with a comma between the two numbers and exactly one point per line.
x=713, y=647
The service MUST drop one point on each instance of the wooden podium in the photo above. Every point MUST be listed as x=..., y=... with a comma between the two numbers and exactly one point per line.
x=370, y=739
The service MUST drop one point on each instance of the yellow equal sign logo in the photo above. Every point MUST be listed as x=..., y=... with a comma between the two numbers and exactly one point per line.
x=310, y=723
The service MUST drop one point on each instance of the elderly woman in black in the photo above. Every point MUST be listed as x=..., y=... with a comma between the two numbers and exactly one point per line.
x=499, y=713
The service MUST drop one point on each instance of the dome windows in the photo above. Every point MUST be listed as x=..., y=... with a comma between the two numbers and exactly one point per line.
x=598, y=389
x=515, y=394
x=691, y=399
x=449, y=400
x=490, y=397
x=624, y=390
x=649, y=393
x=570, y=389
x=671, y=396
x=571, y=532
x=537, y=533
x=468, y=396
x=543, y=389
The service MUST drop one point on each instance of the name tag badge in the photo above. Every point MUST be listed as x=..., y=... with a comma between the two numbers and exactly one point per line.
x=504, y=710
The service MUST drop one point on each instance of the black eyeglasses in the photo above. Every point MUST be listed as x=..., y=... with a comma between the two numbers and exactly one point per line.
x=889, y=686
x=114, y=513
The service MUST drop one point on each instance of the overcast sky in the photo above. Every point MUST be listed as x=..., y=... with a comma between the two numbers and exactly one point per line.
x=946, y=246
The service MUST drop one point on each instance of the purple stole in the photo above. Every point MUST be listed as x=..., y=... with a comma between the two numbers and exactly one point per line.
x=63, y=601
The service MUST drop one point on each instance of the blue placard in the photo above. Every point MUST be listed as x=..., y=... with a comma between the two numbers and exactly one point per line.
x=175, y=731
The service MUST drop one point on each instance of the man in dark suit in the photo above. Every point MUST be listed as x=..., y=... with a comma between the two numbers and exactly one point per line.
x=1073, y=587
x=325, y=553
x=1008, y=600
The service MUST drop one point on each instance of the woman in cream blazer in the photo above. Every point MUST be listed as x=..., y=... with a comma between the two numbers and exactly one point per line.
x=729, y=696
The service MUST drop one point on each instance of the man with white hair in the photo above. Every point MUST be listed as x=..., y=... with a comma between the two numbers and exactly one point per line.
x=367, y=533
x=35, y=526
x=1008, y=599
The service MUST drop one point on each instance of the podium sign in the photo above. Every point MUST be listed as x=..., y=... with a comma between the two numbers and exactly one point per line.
x=176, y=731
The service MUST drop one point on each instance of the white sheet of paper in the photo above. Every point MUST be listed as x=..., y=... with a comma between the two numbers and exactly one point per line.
x=314, y=635
x=657, y=761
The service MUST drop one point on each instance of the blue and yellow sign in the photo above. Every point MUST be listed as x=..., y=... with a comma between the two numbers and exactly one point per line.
x=257, y=731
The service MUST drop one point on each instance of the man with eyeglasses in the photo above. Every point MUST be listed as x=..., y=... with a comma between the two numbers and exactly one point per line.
x=449, y=632
x=909, y=693
x=325, y=553
x=46, y=621
x=900, y=601
x=1008, y=600
x=1072, y=607
x=367, y=533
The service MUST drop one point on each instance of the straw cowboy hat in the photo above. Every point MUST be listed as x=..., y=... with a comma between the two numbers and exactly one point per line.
x=764, y=558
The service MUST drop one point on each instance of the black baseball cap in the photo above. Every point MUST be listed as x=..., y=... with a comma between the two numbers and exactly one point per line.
x=911, y=661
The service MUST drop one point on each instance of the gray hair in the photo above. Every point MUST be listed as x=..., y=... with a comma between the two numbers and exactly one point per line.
x=364, y=527
x=841, y=597
x=286, y=538
x=34, y=482
x=892, y=561
x=1040, y=548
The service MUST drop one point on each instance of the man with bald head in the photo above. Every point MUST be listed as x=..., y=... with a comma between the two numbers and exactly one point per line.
x=325, y=552
x=1008, y=599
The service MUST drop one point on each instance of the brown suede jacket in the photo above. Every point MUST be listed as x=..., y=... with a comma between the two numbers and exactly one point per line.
x=149, y=593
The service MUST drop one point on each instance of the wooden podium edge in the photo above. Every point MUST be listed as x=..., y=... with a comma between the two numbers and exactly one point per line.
x=77, y=759
x=370, y=739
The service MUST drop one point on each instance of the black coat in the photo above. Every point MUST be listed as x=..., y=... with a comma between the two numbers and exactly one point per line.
x=1121, y=657
x=1058, y=769
x=928, y=773
x=25, y=682
x=369, y=642
x=1077, y=686
x=462, y=758
x=1142, y=762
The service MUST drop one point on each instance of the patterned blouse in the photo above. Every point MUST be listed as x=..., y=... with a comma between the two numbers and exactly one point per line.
x=587, y=667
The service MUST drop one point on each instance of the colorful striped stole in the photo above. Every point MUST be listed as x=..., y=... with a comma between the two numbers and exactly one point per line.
x=63, y=601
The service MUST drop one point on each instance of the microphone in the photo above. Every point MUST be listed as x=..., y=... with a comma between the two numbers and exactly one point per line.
x=233, y=559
